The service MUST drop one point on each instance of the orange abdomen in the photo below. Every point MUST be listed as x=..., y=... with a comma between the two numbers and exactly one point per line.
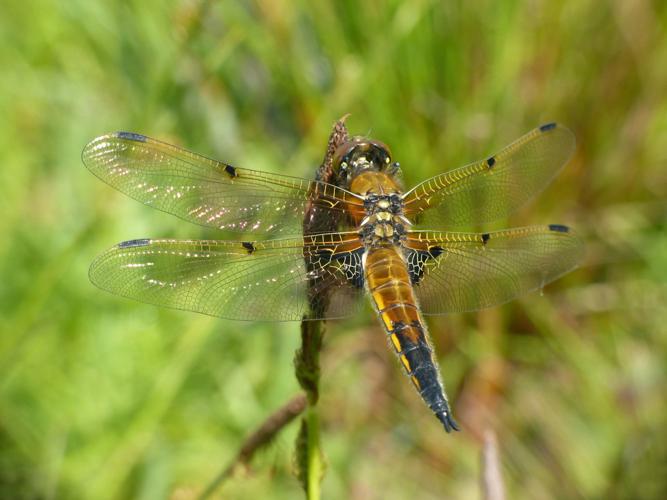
x=391, y=291
x=390, y=288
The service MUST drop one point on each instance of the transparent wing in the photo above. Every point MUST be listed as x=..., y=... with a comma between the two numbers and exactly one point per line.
x=456, y=272
x=273, y=280
x=211, y=193
x=491, y=189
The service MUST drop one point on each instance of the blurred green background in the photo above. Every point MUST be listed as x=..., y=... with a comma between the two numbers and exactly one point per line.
x=104, y=398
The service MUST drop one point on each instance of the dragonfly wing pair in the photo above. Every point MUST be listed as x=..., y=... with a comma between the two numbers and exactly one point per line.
x=272, y=280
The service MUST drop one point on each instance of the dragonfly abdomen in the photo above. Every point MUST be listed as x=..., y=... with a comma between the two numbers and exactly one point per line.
x=392, y=295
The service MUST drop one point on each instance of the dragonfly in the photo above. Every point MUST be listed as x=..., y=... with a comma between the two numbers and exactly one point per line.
x=312, y=249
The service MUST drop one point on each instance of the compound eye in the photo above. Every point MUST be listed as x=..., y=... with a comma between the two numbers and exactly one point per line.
x=341, y=156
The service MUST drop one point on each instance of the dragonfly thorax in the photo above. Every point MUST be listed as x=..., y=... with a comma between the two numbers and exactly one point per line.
x=384, y=223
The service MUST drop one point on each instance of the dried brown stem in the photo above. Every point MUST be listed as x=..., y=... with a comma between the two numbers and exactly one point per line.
x=259, y=439
x=491, y=477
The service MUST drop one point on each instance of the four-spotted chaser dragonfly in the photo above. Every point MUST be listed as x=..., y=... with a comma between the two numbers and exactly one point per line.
x=406, y=250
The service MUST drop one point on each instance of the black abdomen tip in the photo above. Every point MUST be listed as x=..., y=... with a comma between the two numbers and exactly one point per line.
x=547, y=126
x=131, y=136
x=559, y=228
x=448, y=421
x=134, y=243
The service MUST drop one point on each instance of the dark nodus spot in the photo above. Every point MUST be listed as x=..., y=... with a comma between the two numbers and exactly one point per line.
x=485, y=237
x=548, y=126
x=491, y=162
x=131, y=136
x=231, y=171
x=134, y=243
x=248, y=246
x=559, y=228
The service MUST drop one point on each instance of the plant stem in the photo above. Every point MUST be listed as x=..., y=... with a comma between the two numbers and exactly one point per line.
x=309, y=458
x=315, y=469
x=491, y=475
x=257, y=440
x=307, y=369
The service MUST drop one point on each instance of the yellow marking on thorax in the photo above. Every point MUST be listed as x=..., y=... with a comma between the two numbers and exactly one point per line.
x=384, y=231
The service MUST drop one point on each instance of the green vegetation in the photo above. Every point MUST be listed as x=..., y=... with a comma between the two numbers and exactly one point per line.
x=104, y=398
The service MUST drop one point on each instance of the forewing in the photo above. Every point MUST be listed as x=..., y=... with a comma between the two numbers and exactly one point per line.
x=492, y=188
x=211, y=193
x=457, y=272
x=273, y=280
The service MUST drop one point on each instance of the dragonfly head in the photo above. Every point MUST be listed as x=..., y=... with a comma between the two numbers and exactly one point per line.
x=361, y=154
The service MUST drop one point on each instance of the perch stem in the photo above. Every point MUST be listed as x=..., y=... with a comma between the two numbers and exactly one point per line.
x=258, y=439
x=310, y=461
x=315, y=472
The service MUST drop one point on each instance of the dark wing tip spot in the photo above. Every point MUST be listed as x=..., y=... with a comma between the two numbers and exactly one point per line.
x=131, y=136
x=231, y=171
x=547, y=126
x=559, y=228
x=485, y=237
x=134, y=243
x=491, y=162
x=248, y=246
